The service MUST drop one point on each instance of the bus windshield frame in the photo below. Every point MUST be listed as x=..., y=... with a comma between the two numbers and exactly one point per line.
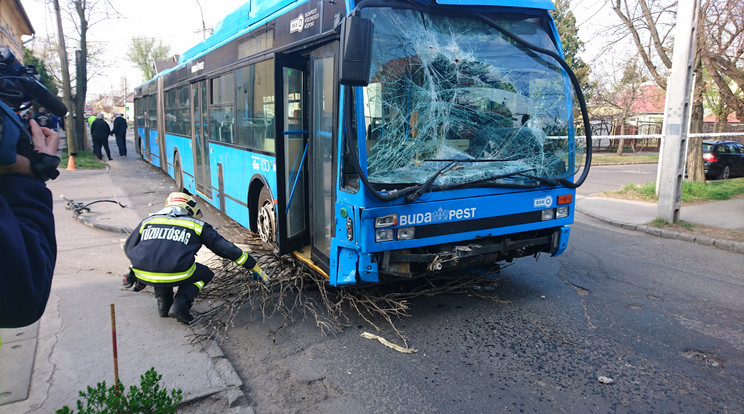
x=447, y=88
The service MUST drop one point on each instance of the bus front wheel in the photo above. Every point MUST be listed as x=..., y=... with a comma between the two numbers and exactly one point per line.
x=178, y=173
x=266, y=223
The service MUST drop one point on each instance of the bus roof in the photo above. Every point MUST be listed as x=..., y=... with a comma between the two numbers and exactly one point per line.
x=254, y=11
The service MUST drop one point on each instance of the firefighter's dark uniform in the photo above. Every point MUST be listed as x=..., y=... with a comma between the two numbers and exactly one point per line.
x=162, y=253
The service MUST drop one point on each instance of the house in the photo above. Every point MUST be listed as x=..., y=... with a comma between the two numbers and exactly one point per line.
x=710, y=123
x=14, y=24
x=124, y=104
x=644, y=116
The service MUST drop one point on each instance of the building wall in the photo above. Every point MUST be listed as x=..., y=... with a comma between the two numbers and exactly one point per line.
x=13, y=24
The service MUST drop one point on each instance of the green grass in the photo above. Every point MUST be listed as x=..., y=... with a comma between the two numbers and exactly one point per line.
x=661, y=223
x=85, y=160
x=598, y=159
x=691, y=191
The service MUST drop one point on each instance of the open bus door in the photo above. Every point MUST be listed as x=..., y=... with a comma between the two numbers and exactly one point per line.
x=291, y=153
x=306, y=151
x=151, y=124
x=200, y=139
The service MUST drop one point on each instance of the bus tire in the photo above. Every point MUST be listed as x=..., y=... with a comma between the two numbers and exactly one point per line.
x=178, y=173
x=266, y=220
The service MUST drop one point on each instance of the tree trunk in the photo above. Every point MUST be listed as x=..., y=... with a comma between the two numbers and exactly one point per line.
x=66, y=87
x=694, y=160
x=80, y=121
x=82, y=71
x=621, y=141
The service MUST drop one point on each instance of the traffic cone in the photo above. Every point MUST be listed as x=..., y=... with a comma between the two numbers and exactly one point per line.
x=70, y=163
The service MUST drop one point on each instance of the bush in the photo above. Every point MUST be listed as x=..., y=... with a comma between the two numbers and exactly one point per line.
x=150, y=398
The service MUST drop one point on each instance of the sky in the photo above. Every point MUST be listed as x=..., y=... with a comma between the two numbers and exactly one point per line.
x=178, y=23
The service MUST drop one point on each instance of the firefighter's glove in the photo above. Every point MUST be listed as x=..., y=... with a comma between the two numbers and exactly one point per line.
x=259, y=274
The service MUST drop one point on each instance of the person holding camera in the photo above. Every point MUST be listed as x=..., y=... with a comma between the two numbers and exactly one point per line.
x=28, y=246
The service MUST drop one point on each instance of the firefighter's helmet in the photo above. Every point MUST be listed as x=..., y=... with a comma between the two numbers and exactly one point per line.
x=184, y=201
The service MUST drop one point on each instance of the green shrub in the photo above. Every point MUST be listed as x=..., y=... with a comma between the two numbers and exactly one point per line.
x=149, y=399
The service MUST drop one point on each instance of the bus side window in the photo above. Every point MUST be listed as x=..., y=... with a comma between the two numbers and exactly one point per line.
x=226, y=129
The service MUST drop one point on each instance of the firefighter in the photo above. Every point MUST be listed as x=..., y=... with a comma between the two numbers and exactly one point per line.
x=162, y=252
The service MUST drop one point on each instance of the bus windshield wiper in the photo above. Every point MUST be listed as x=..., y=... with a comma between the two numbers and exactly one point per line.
x=462, y=160
x=420, y=190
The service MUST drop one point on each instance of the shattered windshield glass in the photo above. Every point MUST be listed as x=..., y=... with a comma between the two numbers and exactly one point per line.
x=448, y=88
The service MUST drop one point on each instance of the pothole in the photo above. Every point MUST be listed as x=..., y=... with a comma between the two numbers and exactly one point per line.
x=704, y=358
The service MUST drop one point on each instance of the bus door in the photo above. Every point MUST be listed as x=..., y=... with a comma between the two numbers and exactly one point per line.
x=306, y=181
x=322, y=103
x=151, y=124
x=200, y=139
x=292, y=153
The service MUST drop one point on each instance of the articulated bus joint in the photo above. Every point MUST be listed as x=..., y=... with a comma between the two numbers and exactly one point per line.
x=485, y=251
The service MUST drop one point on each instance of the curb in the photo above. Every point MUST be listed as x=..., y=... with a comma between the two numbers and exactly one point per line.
x=723, y=244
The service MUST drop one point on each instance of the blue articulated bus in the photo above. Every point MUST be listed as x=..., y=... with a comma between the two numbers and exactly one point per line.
x=378, y=140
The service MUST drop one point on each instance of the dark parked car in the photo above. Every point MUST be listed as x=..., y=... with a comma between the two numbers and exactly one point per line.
x=723, y=159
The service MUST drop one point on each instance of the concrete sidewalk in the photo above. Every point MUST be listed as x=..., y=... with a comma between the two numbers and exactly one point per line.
x=636, y=215
x=44, y=366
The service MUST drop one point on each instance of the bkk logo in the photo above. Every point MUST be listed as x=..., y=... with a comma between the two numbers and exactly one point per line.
x=543, y=202
x=437, y=216
x=297, y=24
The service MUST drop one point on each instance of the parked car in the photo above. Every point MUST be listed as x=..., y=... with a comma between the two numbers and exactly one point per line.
x=723, y=159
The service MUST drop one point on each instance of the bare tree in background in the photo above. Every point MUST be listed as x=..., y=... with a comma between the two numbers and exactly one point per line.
x=723, y=53
x=719, y=54
x=66, y=87
x=618, y=96
x=84, y=14
x=144, y=51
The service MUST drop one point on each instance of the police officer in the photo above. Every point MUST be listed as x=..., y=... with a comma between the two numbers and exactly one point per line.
x=162, y=251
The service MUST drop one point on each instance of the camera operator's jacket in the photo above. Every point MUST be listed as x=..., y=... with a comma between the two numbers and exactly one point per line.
x=163, y=247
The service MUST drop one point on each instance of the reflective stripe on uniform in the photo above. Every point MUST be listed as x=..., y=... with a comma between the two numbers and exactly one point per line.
x=199, y=284
x=175, y=222
x=242, y=259
x=154, y=277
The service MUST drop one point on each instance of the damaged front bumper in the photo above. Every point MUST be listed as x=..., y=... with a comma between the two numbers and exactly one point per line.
x=487, y=251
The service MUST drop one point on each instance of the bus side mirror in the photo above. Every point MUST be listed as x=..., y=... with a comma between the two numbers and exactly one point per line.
x=356, y=51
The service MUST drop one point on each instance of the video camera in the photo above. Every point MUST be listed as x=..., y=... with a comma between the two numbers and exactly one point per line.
x=19, y=86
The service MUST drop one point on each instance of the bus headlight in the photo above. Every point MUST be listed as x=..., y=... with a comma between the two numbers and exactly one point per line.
x=406, y=233
x=386, y=221
x=561, y=212
x=383, y=235
x=548, y=214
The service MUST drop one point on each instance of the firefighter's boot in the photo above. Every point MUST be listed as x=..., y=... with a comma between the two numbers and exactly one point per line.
x=180, y=309
x=164, y=296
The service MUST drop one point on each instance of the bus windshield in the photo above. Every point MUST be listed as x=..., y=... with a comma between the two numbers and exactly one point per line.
x=448, y=87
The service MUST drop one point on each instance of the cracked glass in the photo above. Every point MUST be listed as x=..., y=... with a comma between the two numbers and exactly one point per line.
x=446, y=88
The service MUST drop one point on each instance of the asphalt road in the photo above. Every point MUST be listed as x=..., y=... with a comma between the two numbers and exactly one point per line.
x=661, y=318
x=613, y=177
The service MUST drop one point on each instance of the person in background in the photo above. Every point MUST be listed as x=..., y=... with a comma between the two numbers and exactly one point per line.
x=162, y=251
x=55, y=122
x=99, y=132
x=120, y=132
x=43, y=119
x=28, y=246
x=92, y=117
